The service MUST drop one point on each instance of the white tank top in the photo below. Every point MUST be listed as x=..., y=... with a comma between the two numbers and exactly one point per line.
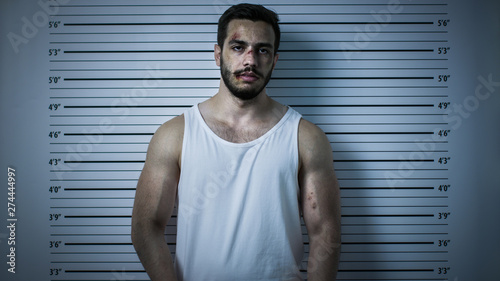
x=238, y=210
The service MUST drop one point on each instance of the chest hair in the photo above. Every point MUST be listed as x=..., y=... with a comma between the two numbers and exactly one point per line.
x=239, y=134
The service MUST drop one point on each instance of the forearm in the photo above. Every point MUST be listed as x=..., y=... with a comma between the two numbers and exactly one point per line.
x=324, y=254
x=155, y=255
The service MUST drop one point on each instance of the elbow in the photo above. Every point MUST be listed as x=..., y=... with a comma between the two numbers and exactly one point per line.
x=324, y=226
x=328, y=230
x=140, y=230
x=136, y=233
x=325, y=238
x=144, y=231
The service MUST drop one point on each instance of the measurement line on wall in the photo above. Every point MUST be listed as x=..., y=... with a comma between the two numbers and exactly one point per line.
x=215, y=23
x=228, y=5
x=292, y=105
x=277, y=68
x=286, y=59
x=281, y=51
x=215, y=14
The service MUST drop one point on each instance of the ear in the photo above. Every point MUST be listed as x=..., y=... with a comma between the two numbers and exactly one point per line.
x=276, y=56
x=217, y=54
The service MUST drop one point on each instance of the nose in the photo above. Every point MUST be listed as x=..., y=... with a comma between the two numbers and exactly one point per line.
x=250, y=58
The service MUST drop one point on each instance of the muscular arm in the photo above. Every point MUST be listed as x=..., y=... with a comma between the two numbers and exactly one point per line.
x=155, y=199
x=320, y=202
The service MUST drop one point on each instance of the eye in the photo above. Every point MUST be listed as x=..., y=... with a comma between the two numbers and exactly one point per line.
x=264, y=51
x=237, y=48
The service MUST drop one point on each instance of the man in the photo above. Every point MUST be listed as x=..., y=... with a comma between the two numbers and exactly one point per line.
x=241, y=168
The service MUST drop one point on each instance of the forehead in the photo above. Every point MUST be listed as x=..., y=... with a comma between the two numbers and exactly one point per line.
x=250, y=31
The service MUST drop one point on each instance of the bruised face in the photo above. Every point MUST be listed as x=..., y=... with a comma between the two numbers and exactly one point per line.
x=247, y=58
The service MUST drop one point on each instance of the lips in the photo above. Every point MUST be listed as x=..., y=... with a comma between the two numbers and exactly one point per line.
x=247, y=76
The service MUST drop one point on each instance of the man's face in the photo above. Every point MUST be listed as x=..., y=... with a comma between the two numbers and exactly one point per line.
x=247, y=58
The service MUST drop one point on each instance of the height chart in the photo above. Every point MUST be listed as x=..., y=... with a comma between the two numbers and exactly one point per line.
x=406, y=91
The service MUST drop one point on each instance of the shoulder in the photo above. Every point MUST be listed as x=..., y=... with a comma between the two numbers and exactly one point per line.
x=309, y=130
x=172, y=128
x=167, y=140
x=314, y=146
x=310, y=135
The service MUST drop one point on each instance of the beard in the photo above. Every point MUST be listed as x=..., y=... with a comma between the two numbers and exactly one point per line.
x=243, y=93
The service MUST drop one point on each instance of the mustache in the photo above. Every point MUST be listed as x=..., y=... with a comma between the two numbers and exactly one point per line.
x=248, y=69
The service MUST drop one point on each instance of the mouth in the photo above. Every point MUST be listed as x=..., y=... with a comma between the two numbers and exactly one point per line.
x=247, y=76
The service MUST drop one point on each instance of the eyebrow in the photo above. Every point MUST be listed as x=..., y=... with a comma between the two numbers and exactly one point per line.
x=241, y=42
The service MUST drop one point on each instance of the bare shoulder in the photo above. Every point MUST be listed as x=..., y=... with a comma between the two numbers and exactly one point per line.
x=311, y=137
x=309, y=131
x=314, y=146
x=167, y=140
x=172, y=128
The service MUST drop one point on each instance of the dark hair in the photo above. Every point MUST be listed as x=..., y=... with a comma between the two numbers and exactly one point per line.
x=248, y=12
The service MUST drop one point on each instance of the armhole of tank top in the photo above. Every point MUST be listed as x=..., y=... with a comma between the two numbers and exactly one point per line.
x=185, y=137
x=298, y=117
x=188, y=115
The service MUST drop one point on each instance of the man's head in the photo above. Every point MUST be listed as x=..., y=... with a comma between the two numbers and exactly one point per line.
x=248, y=12
x=248, y=40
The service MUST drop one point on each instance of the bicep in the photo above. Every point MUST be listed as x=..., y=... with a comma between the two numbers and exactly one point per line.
x=155, y=193
x=320, y=195
x=157, y=185
x=320, y=200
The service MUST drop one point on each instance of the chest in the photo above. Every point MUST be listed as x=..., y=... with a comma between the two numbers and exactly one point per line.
x=241, y=133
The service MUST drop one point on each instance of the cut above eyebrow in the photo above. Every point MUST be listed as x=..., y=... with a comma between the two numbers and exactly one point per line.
x=241, y=42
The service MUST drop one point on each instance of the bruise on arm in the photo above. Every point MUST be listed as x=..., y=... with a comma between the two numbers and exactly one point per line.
x=320, y=201
x=317, y=179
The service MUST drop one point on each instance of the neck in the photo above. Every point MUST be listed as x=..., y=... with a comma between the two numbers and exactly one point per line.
x=236, y=110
